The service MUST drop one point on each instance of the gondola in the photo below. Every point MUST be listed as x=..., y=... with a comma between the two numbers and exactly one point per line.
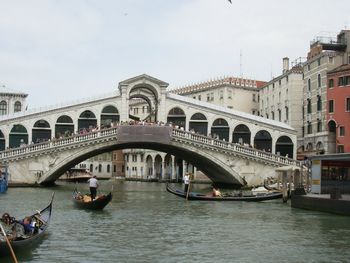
x=204, y=197
x=15, y=233
x=84, y=201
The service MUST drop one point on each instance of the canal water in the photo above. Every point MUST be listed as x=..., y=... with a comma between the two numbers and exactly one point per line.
x=144, y=223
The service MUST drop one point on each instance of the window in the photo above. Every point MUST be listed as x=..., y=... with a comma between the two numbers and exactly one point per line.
x=319, y=62
x=309, y=85
x=346, y=80
x=287, y=79
x=114, y=168
x=134, y=158
x=18, y=106
x=279, y=82
x=308, y=105
x=340, y=81
x=108, y=168
x=309, y=128
x=308, y=67
x=221, y=94
x=3, y=108
x=254, y=97
x=199, y=97
x=272, y=115
x=347, y=104
x=279, y=115
x=100, y=168
x=319, y=80
x=340, y=148
x=319, y=125
x=330, y=83
x=319, y=103
x=229, y=94
x=287, y=113
x=331, y=106
x=208, y=97
x=194, y=97
x=341, y=131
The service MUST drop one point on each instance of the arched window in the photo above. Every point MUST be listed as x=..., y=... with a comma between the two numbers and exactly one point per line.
x=17, y=106
x=3, y=107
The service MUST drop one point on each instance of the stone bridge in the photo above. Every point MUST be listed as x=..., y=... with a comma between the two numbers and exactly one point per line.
x=223, y=162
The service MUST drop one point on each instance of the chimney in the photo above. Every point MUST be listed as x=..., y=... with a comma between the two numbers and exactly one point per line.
x=285, y=64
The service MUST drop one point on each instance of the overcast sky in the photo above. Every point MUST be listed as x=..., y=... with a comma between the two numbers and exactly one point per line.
x=64, y=50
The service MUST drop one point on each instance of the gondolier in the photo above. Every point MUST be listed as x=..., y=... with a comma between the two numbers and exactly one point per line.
x=186, y=180
x=93, y=184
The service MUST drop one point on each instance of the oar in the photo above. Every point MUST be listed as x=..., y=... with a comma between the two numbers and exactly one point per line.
x=9, y=244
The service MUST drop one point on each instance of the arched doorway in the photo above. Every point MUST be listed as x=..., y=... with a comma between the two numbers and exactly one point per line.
x=199, y=124
x=177, y=116
x=109, y=115
x=320, y=148
x=41, y=131
x=284, y=146
x=64, y=126
x=18, y=136
x=168, y=169
x=158, y=167
x=220, y=129
x=87, y=121
x=241, y=134
x=2, y=141
x=263, y=141
x=149, y=167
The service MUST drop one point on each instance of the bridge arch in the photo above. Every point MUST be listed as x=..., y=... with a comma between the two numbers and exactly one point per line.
x=177, y=116
x=199, y=123
x=241, y=134
x=158, y=166
x=64, y=126
x=109, y=115
x=18, y=136
x=263, y=141
x=284, y=146
x=41, y=131
x=220, y=129
x=86, y=121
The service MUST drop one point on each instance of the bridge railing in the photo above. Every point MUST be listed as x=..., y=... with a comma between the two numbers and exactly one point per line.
x=223, y=145
x=31, y=148
x=236, y=148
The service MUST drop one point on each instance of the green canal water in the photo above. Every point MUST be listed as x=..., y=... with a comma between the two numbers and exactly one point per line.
x=144, y=223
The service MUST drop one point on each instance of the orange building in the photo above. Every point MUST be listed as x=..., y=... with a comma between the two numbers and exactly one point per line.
x=338, y=107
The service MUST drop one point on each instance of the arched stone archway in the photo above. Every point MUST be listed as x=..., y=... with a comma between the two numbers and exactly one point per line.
x=220, y=129
x=158, y=167
x=320, y=148
x=177, y=116
x=64, y=126
x=87, y=120
x=109, y=115
x=241, y=134
x=168, y=165
x=284, y=146
x=199, y=124
x=263, y=141
x=18, y=136
x=309, y=147
x=149, y=166
x=41, y=131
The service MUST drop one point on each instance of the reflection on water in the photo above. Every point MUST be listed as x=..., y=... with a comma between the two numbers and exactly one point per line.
x=144, y=223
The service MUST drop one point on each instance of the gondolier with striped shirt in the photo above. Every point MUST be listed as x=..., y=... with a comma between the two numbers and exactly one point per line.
x=93, y=184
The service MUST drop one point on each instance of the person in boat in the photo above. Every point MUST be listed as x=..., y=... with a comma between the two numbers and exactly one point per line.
x=27, y=224
x=186, y=180
x=93, y=184
x=216, y=192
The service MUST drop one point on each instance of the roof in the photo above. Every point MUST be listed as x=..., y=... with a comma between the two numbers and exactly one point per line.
x=201, y=86
x=344, y=67
x=5, y=90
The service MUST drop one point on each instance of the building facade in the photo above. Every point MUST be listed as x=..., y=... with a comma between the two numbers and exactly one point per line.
x=325, y=54
x=338, y=107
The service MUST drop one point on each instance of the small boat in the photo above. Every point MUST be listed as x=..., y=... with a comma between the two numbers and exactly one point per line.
x=206, y=197
x=85, y=202
x=3, y=179
x=19, y=236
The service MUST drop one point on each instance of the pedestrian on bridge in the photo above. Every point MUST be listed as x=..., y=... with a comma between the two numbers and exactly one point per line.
x=93, y=183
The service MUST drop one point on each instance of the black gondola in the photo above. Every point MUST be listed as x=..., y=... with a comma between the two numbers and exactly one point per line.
x=204, y=197
x=84, y=201
x=40, y=222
